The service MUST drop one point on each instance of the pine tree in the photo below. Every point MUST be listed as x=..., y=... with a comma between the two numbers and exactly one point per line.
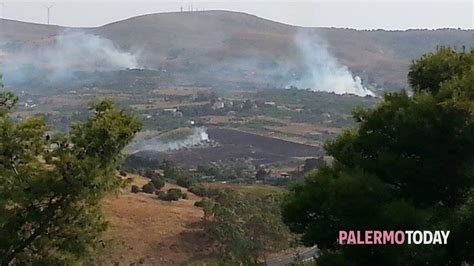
x=51, y=184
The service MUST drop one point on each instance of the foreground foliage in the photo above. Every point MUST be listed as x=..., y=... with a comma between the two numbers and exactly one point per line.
x=408, y=166
x=245, y=225
x=51, y=184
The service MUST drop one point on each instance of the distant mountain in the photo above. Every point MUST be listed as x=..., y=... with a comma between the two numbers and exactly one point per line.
x=211, y=46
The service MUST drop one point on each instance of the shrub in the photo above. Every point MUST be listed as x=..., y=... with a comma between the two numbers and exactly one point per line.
x=158, y=182
x=184, y=182
x=173, y=194
x=123, y=173
x=199, y=204
x=198, y=190
x=141, y=172
x=148, y=188
x=135, y=189
x=148, y=173
x=202, y=191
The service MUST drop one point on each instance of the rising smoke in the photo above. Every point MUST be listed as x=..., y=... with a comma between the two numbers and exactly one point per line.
x=58, y=58
x=198, y=137
x=325, y=73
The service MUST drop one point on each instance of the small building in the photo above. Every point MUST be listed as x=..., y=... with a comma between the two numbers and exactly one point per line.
x=170, y=110
x=218, y=105
x=284, y=175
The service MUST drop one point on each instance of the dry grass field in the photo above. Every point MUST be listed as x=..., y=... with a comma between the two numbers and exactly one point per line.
x=145, y=230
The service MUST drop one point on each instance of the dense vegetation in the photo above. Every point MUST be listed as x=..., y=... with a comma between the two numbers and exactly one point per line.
x=51, y=184
x=245, y=223
x=407, y=166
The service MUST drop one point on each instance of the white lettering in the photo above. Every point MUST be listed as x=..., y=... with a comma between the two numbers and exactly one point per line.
x=409, y=234
x=427, y=237
x=417, y=237
x=445, y=236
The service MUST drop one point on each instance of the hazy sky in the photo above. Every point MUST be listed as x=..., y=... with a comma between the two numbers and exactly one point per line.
x=401, y=14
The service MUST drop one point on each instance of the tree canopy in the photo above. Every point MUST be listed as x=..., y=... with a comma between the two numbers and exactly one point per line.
x=407, y=166
x=51, y=183
x=245, y=224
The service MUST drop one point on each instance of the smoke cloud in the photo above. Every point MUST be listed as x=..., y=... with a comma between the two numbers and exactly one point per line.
x=198, y=137
x=325, y=73
x=58, y=57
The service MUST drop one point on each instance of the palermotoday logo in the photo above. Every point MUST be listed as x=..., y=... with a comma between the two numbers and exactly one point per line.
x=382, y=237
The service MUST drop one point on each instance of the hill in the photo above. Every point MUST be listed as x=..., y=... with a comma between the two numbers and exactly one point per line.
x=145, y=230
x=215, y=47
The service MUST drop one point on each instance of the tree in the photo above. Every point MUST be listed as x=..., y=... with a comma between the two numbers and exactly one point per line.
x=185, y=181
x=407, y=166
x=149, y=188
x=261, y=174
x=432, y=69
x=313, y=163
x=173, y=194
x=51, y=184
x=149, y=173
x=158, y=182
x=135, y=189
x=245, y=225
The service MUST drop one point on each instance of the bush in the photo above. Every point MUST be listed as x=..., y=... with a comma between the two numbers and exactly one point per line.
x=135, y=189
x=202, y=191
x=123, y=173
x=200, y=204
x=148, y=188
x=158, y=182
x=173, y=194
x=148, y=173
x=198, y=190
x=184, y=182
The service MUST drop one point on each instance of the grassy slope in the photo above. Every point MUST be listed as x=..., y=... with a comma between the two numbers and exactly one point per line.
x=146, y=230
x=150, y=231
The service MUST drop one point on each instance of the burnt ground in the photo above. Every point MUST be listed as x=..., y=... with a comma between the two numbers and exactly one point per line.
x=270, y=145
x=233, y=144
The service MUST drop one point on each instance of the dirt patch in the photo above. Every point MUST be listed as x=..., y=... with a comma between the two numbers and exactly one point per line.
x=145, y=230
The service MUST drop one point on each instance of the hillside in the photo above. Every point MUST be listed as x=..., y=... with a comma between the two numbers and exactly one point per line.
x=145, y=230
x=222, y=46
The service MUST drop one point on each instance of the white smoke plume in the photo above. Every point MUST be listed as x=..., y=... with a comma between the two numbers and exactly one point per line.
x=58, y=57
x=198, y=137
x=325, y=72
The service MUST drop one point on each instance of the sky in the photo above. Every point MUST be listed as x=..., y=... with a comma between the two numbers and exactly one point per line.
x=358, y=14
